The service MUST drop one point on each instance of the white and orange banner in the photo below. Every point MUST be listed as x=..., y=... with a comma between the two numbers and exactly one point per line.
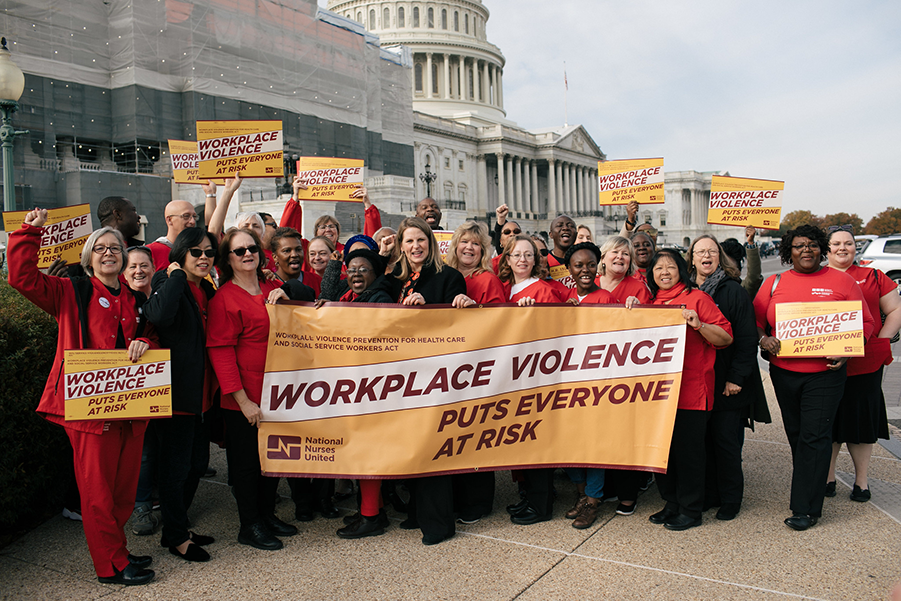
x=826, y=329
x=251, y=148
x=184, y=156
x=107, y=385
x=330, y=178
x=65, y=232
x=622, y=181
x=561, y=274
x=742, y=201
x=356, y=391
x=443, y=238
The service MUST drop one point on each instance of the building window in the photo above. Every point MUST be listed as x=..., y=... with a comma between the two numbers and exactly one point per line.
x=466, y=23
x=360, y=17
x=456, y=21
x=447, y=162
x=415, y=16
x=386, y=19
x=431, y=19
x=400, y=17
x=462, y=196
x=471, y=84
x=417, y=70
x=443, y=18
x=372, y=24
x=686, y=206
x=434, y=79
x=662, y=216
x=460, y=163
x=647, y=218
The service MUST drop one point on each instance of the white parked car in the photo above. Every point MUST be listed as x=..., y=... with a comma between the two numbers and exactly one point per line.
x=884, y=254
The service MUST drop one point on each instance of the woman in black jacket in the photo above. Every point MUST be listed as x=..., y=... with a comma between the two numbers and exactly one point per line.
x=177, y=308
x=738, y=382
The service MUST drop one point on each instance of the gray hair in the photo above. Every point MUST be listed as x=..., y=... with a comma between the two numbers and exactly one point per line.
x=614, y=242
x=88, y=250
x=245, y=217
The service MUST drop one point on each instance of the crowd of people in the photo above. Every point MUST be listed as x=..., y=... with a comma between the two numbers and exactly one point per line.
x=201, y=292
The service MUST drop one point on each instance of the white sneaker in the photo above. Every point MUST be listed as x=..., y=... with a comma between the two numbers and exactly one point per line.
x=70, y=514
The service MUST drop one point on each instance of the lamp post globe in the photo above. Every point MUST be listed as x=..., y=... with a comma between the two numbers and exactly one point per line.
x=12, y=84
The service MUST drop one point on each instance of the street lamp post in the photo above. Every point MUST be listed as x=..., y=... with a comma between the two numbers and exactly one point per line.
x=428, y=178
x=12, y=84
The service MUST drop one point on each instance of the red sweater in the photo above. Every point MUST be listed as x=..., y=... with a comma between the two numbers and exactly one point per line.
x=874, y=284
x=237, y=343
x=485, y=288
x=57, y=297
x=630, y=286
x=160, y=253
x=598, y=297
x=540, y=290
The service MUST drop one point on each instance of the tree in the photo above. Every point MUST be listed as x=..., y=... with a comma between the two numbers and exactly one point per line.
x=844, y=219
x=796, y=218
x=886, y=222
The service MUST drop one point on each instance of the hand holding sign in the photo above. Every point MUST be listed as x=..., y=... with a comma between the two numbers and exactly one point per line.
x=36, y=218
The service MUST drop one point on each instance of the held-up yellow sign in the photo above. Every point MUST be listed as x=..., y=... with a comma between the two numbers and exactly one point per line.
x=329, y=178
x=561, y=274
x=66, y=231
x=443, y=238
x=184, y=163
x=741, y=201
x=107, y=385
x=366, y=391
x=622, y=181
x=826, y=329
x=251, y=148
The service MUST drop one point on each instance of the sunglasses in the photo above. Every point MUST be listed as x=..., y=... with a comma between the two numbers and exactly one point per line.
x=845, y=228
x=253, y=248
x=544, y=252
x=210, y=253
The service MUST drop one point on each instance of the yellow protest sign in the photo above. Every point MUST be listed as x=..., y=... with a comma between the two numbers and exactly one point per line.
x=251, y=148
x=741, y=201
x=107, y=385
x=398, y=391
x=65, y=232
x=183, y=154
x=330, y=178
x=443, y=237
x=562, y=275
x=826, y=329
x=622, y=181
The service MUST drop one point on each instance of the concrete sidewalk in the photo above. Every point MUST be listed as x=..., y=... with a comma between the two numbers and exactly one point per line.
x=853, y=553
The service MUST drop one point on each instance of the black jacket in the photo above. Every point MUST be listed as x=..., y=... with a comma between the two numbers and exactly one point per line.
x=437, y=287
x=378, y=292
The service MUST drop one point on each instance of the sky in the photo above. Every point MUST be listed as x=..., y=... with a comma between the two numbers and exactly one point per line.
x=804, y=92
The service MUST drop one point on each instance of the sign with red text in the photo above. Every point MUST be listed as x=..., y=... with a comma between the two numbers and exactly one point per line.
x=825, y=329
x=107, y=385
x=741, y=201
x=443, y=237
x=65, y=232
x=561, y=274
x=330, y=178
x=184, y=156
x=248, y=148
x=363, y=391
x=622, y=181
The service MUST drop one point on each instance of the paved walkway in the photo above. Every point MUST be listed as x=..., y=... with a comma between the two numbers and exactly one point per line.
x=853, y=553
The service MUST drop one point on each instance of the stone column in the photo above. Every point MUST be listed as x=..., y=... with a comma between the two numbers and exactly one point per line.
x=485, y=89
x=536, y=201
x=527, y=186
x=447, y=90
x=593, y=190
x=583, y=188
x=460, y=61
x=500, y=89
x=517, y=177
x=561, y=198
x=572, y=189
x=511, y=198
x=482, y=183
x=428, y=74
x=552, y=207
x=567, y=197
x=501, y=184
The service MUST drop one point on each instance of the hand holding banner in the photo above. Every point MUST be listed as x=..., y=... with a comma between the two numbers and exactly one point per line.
x=741, y=201
x=826, y=329
x=65, y=232
x=251, y=148
x=622, y=181
x=329, y=178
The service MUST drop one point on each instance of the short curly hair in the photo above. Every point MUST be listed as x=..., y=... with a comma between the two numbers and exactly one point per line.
x=806, y=230
x=589, y=246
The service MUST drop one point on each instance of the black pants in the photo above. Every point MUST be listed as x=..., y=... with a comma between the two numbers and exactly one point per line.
x=808, y=403
x=624, y=483
x=254, y=493
x=539, y=487
x=309, y=494
x=183, y=453
x=473, y=494
x=432, y=505
x=725, y=481
x=682, y=486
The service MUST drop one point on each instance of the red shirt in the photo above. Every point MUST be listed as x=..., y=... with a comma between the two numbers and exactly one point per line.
x=630, y=286
x=495, y=261
x=598, y=297
x=540, y=290
x=237, y=345
x=485, y=288
x=561, y=289
x=160, y=253
x=874, y=284
x=292, y=216
x=794, y=287
x=698, y=381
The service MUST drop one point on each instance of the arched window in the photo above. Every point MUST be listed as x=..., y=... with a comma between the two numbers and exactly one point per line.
x=417, y=70
x=400, y=17
x=466, y=23
x=443, y=18
x=360, y=17
x=431, y=19
x=434, y=79
x=349, y=16
x=372, y=19
x=456, y=21
x=415, y=16
x=386, y=19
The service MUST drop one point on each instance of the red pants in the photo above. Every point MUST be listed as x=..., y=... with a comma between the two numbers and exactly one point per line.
x=370, y=497
x=107, y=466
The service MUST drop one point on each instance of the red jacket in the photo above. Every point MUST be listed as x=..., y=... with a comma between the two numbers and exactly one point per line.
x=293, y=217
x=61, y=298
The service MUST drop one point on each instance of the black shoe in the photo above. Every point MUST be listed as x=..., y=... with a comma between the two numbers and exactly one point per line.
x=647, y=483
x=800, y=521
x=328, y=510
x=365, y=526
x=861, y=496
x=130, y=576
x=259, y=537
x=278, y=527
x=197, y=539
x=409, y=524
x=728, y=511
x=194, y=552
x=681, y=522
x=209, y=473
x=303, y=514
x=661, y=516
x=830, y=489
x=350, y=519
x=516, y=508
x=529, y=516
x=140, y=561
x=396, y=502
x=623, y=509
x=429, y=539
x=383, y=519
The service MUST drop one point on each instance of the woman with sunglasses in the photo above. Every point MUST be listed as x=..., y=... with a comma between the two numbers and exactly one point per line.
x=96, y=312
x=861, y=416
x=237, y=350
x=178, y=310
x=808, y=389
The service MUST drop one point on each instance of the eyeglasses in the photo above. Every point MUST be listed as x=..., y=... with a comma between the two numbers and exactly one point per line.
x=359, y=270
x=253, y=248
x=845, y=228
x=116, y=250
x=511, y=232
x=808, y=246
x=707, y=252
x=544, y=252
x=209, y=252
x=271, y=224
x=518, y=256
x=186, y=216
x=328, y=226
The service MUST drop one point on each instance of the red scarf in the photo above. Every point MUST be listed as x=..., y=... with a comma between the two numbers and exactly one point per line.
x=666, y=297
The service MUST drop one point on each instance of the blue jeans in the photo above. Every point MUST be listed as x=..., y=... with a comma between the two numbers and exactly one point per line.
x=592, y=477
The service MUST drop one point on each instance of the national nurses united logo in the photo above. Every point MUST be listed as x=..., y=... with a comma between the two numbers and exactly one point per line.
x=284, y=447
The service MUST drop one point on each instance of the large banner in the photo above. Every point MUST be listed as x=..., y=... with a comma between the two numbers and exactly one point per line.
x=622, y=181
x=184, y=156
x=365, y=391
x=742, y=201
x=107, y=385
x=66, y=231
x=825, y=329
x=329, y=178
x=251, y=148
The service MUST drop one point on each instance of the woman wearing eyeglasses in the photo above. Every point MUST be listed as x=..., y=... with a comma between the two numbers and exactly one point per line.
x=237, y=350
x=808, y=389
x=178, y=309
x=861, y=416
x=519, y=271
x=96, y=312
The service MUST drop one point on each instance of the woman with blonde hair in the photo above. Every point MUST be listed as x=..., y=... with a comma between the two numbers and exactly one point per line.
x=469, y=254
x=616, y=271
